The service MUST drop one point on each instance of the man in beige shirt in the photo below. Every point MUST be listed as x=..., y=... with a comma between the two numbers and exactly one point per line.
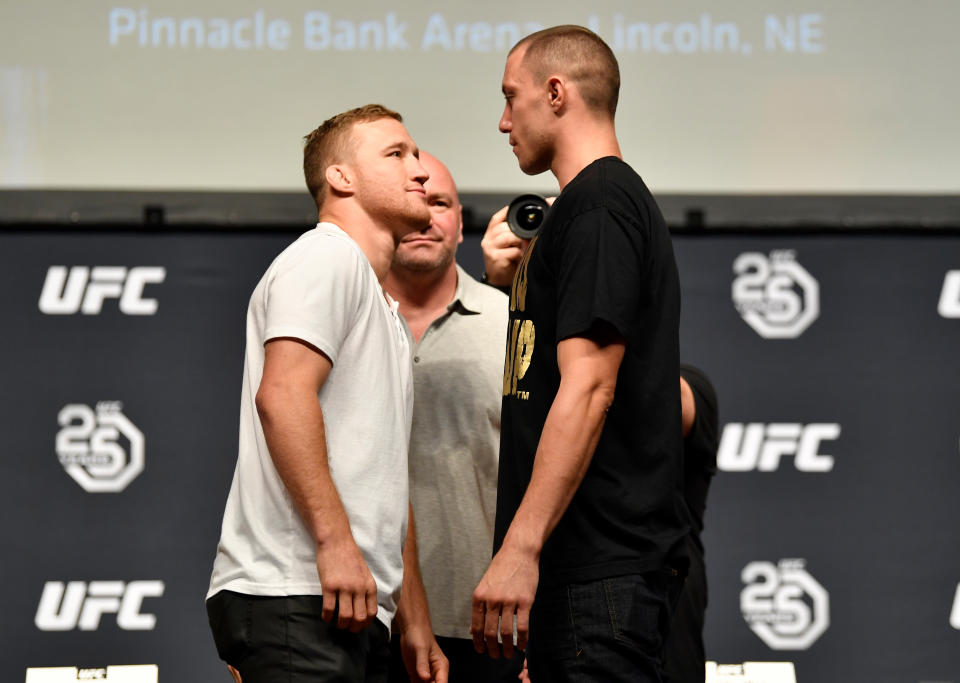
x=458, y=327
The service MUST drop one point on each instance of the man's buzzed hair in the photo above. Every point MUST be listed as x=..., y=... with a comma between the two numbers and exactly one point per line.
x=579, y=54
x=331, y=142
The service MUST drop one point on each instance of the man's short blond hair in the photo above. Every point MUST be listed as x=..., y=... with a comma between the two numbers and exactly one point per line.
x=332, y=142
x=579, y=54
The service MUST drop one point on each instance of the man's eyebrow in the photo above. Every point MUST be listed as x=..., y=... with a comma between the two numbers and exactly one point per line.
x=398, y=144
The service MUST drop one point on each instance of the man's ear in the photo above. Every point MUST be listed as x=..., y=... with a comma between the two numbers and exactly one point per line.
x=557, y=92
x=340, y=179
x=460, y=224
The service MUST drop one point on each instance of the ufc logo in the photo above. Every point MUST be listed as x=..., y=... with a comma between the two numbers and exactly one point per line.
x=757, y=446
x=80, y=289
x=81, y=605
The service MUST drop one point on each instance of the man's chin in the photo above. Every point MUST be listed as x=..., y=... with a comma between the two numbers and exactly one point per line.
x=418, y=225
x=410, y=222
x=535, y=167
x=419, y=265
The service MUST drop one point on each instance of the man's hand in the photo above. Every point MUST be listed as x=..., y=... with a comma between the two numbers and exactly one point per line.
x=506, y=590
x=346, y=583
x=422, y=656
x=502, y=250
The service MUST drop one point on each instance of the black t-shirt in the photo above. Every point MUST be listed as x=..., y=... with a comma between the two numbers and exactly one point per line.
x=699, y=447
x=603, y=256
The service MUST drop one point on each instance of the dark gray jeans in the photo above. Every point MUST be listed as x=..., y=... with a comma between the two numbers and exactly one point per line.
x=284, y=639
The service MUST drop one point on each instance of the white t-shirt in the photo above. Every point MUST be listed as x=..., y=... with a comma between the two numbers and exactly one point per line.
x=322, y=289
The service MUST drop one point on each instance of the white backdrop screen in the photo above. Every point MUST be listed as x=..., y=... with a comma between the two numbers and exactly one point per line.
x=733, y=97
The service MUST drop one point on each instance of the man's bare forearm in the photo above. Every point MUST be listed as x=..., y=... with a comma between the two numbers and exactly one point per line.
x=569, y=438
x=293, y=427
x=292, y=420
x=412, y=609
x=588, y=378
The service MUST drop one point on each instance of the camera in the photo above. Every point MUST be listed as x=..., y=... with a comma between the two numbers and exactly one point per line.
x=526, y=214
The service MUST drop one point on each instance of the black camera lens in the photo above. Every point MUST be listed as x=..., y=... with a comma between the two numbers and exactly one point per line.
x=525, y=215
x=530, y=216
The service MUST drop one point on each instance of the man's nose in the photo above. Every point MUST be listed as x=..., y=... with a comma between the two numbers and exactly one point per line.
x=419, y=172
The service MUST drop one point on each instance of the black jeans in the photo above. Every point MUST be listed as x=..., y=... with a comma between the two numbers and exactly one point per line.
x=284, y=639
x=603, y=631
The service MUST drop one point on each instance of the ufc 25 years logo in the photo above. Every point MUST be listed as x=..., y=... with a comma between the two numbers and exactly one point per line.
x=80, y=289
x=90, y=449
x=774, y=294
x=758, y=446
x=783, y=604
x=80, y=605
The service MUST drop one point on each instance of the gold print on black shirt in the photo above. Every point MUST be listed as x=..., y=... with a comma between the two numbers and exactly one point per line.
x=522, y=333
x=518, y=293
x=519, y=353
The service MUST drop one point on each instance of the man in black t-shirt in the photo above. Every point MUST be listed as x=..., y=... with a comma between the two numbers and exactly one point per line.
x=590, y=525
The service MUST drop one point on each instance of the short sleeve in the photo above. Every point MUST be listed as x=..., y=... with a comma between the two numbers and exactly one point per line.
x=599, y=271
x=314, y=293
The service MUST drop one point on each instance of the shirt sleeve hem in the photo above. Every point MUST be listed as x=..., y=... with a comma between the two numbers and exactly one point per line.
x=318, y=342
x=580, y=328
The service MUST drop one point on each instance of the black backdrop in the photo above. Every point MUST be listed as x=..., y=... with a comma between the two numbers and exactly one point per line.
x=831, y=529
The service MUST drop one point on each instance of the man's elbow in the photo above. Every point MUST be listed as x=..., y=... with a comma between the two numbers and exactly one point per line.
x=603, y=393
x=269, y=397
x=591, y=388
x=595, y=391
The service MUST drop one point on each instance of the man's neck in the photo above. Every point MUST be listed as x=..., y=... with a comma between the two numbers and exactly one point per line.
x=423, y=295
x=582, y=144
x=377, y=242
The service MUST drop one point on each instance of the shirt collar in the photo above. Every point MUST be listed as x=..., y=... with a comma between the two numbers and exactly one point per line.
x=466, y=299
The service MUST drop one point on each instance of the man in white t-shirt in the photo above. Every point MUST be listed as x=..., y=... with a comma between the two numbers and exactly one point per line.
x=308, y=573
